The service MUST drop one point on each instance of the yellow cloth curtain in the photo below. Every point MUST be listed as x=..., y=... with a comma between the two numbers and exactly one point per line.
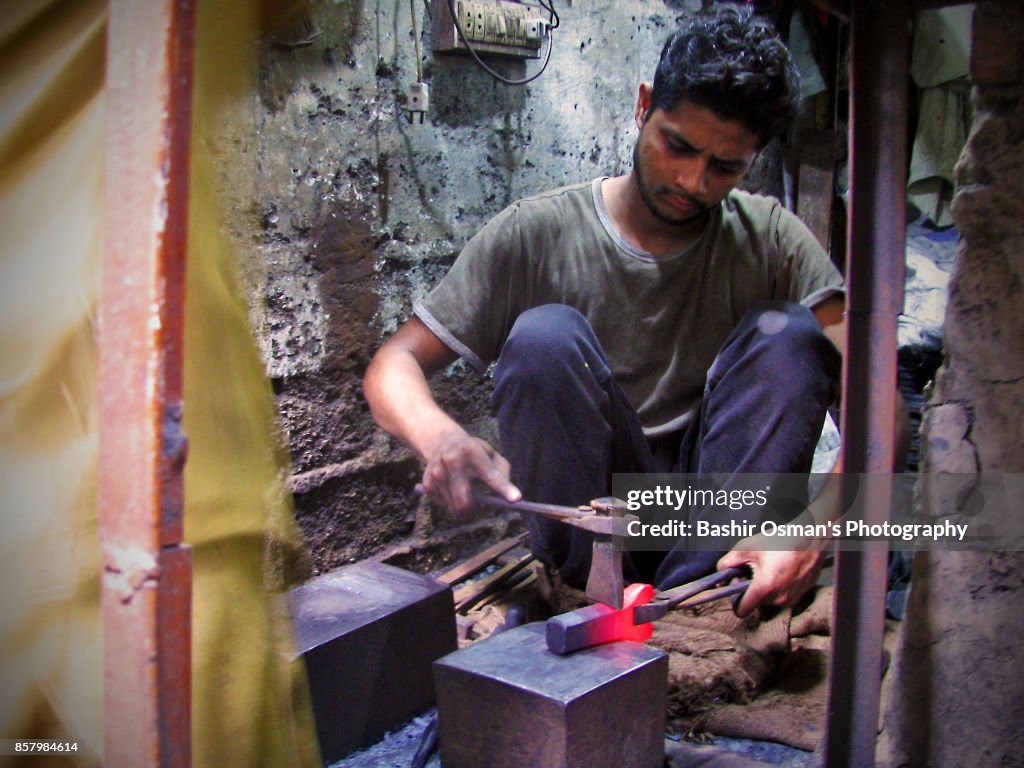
x=51, y=162
x=250, y=703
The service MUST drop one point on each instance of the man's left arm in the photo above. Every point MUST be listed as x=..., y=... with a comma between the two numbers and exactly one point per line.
x=781, y=578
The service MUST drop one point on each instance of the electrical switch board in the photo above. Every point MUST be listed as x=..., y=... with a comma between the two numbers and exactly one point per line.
x=498, y=27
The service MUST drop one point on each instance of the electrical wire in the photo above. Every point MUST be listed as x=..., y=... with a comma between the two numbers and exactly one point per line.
x=416, y=38
x=553, y=23
x=550, y=8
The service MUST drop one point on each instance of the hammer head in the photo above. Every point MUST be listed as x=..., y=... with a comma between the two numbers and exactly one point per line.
x=606, y=582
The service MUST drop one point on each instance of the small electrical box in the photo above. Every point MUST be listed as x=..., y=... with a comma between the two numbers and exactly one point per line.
x=499, y=27
x=417, y=101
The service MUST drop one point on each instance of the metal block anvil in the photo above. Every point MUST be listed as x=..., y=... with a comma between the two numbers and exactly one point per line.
x=508, y=702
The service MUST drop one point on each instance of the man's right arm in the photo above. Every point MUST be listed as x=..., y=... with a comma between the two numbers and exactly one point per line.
x=399, y=395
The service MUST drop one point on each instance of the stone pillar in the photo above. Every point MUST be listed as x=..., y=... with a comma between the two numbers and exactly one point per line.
x=955, y=694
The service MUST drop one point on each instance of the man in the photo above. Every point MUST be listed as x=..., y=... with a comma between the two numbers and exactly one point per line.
x=657, y=321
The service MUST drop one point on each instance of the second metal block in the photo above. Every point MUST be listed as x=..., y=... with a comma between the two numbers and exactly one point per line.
x=368, y=634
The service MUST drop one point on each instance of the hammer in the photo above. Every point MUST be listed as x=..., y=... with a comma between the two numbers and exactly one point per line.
x=605, y=518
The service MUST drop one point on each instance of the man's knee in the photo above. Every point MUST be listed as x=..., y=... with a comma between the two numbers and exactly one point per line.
x=782, y=320
x=548, y=339
x=781, y=341
x=789, y=332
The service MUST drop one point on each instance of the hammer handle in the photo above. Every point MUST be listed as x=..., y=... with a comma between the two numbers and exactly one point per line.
x=584, y=518
x=548, y=510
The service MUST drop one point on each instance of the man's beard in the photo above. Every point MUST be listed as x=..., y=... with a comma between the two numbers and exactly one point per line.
x=647, y=195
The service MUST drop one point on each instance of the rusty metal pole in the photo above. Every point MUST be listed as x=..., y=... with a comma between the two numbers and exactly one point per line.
x=146, y=580
x=875, y=278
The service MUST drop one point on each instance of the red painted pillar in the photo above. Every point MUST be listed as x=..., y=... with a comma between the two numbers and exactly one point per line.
x=879, y=39
x=146, y=580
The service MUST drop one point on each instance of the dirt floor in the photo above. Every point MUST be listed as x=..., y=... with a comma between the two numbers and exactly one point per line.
x=397, y=749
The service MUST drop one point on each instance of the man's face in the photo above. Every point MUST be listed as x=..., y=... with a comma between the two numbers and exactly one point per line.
x=686, y=160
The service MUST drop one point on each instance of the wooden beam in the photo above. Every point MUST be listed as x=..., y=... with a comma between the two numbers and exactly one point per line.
x=146, y=581
x=815, y=177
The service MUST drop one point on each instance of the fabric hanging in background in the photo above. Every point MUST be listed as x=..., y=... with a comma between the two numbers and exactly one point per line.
x=250, y=700
x=811, y=80
x=940, y=67
x=51, y=168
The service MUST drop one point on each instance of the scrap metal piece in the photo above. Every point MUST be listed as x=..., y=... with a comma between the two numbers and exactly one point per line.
x=477, y=563
x=501, y=579
x=507, y=702
x=368, y=634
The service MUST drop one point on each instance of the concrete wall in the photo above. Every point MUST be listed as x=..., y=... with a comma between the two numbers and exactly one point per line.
x=361, y=212
x=957, y=695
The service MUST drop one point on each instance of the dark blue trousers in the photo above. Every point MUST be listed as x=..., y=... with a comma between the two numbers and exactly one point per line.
x=566, y=426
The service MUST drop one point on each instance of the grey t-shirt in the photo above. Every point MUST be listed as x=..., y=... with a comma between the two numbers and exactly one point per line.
x=661, y=319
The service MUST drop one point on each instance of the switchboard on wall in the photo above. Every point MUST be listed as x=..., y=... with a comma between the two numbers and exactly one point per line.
x=497, y=27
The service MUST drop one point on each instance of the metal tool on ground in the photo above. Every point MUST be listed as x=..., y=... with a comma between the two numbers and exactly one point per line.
x=604, y=517
x=504, y=578
x=479, y=562
x=427, y=745
x=599, y=624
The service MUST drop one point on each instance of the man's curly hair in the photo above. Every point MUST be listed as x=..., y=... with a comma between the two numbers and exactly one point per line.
x=733, y=63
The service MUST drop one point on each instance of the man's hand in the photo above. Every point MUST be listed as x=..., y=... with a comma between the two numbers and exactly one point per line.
x=399, y=396
x=780, y=578
x=455, y=461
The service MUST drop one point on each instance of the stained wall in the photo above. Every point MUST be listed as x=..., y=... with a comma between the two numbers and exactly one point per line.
x=358, y=212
